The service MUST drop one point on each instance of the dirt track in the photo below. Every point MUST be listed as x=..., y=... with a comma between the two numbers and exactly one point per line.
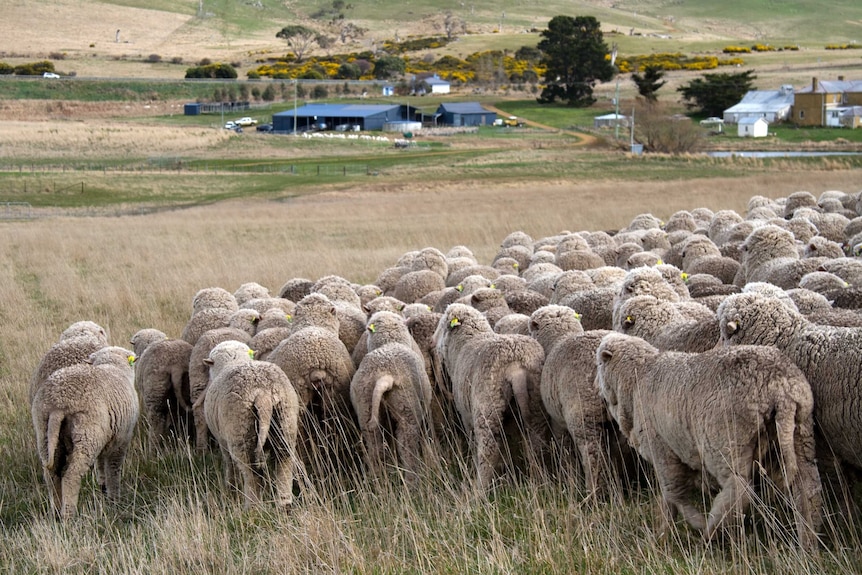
x=585, y=139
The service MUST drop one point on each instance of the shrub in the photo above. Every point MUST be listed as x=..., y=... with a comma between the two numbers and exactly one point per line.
x=6, y=68
x=205, y=62
x=34, y=68
x=218, y=70
x=154, y=58
x=177, y=60
x=57, y=55
x=268, y=94
x=253, y=75
x=319, y=92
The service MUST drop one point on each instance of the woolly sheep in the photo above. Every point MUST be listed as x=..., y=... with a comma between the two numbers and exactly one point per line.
x=818, y=309
x=273, y=317
x=213, y=297
x=391, y=385
x=467, y=286
x=295, y=289
x=205, y=320
x=487, y=371
x=318, y=364
x=266, y=340
x=250, y=406
x=798, y=200
x=680, y=220
x=517, y=237
x=199, y=375
x=248, y=291
x=830, y=357
x=822, y=282
x=520, y=254
x=509, y=283
x=569, y=282
x=264, y=304
x=689, y=414
x=75, y=345
x=594, y=305
x=85, y=415
x=507, y=266
x=665, y=327
x=460, y=251
x=413, y=285
x=337, y=289
x=849, y=269
x=367, y=293
x=431, y=259
x=524, y=301
x=642, y=259
x=514, y=323
x=456, y=277
x=720, y=225
x=829, y=225
x=490, y=301
x=770, y=254
x=569, y=393
x=818, y=246
x=162, y=378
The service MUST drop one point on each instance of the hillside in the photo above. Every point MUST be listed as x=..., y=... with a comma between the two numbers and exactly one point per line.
x=135, y=38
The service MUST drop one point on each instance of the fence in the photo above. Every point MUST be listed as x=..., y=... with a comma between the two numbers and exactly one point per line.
x=176, y=165
x=15, y=211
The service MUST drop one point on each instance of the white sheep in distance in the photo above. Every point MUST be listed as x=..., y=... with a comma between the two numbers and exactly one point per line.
x=85, y=415
x=250, y=406
x=391, y=394
x=488, y=371
x=710, y=413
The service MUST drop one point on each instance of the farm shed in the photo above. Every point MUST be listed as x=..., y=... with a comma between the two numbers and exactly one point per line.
x=851, y=117
x=771, y=105
x=465, y=114
x=753, y=128
x=338, y=117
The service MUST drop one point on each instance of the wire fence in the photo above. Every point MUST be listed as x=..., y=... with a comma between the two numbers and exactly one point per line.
x=177, y=165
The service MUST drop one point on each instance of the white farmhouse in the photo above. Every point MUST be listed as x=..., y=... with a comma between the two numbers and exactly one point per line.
x=771, y=105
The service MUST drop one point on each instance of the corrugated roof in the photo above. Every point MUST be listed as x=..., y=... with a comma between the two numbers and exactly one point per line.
x=751, y=120
x=340, y=110
x=833, y=87
x=762, y=101
x=464, y=108
x=435, y=80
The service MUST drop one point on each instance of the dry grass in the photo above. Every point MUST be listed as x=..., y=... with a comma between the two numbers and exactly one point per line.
x=141, y=271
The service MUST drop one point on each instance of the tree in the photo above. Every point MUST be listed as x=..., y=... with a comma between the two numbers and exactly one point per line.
x=574, y=53
x=649, y=83
x=387, y=66
x=660, y=131
x=714, y=93
x=300, y=38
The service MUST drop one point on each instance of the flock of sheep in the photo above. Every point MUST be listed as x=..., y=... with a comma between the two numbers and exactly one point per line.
x=721, y=348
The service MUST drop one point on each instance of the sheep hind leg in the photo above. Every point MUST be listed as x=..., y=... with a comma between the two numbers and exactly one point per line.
x=78, y=465
x=733, y=499
x=488, y=456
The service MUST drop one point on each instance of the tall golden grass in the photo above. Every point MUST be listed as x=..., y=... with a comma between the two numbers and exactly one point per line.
x=131, y=272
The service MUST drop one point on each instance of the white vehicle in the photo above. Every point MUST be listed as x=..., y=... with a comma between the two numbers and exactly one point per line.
x=246, y=121
x=231, y=125
x=50, y=75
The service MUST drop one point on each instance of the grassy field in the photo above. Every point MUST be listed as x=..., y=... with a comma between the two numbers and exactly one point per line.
x=133, y=207
x=136, y=271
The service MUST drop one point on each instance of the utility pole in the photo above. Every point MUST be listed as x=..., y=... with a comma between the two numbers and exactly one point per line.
x=616, y=95
x=295, y=80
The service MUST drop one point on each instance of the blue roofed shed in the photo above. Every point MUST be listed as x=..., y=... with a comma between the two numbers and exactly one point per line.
x=465, y=114
x=336, y=116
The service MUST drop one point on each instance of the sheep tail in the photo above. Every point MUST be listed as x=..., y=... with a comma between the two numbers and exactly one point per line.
x=263, y=404
x=516, y=375
x=177, y=380
x=55, y=423
x=381, y=386
x=786, y=431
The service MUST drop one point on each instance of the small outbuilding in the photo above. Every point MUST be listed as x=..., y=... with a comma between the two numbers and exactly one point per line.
x=611, y=121
x=437, y=84
x=753, y=128
x=465, y=114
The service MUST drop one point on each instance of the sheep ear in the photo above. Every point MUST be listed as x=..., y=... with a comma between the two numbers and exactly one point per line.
x=606, y=355
x=731, y=328
x=628, y=322
x=454, y=322
x=208, y=361
x=332, y=310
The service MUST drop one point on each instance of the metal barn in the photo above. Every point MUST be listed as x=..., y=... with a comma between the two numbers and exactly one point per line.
x=344, y=117
x=465, y=114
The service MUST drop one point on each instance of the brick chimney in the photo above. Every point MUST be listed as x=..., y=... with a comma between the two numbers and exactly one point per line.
x=814, y=83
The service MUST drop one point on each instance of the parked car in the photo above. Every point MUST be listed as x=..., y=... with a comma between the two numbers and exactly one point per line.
x=246, y=121
x=50, y=75
x=231, y=125
x=264, y=128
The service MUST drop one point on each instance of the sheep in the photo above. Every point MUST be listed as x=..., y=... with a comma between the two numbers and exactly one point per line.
x=143, y=338
x=319, y=366
x=770, y=254
x=817, y=308
x=337, y=289
x=456, y=277
x=273, y=317
x=74, y=346
x=85, y=415
x=798, y=200
x=524, y=301
x=664, y=326
x=390, y=391
x=594, y=305
x=507, y=266
x=295, y=289
x=818, y=246
x=680, y=220
x=509, y=283
x=205, y=320
x=521, y=255
x=266, y=340
x=250, y=406
x=514, y=323
x=162, y=379
x=431, y=259
x=467, y=286
x=830, y=357
x=249, y=291
x=413, y=285
x=199, y=375
x=489, y=372
x=849, y=269
x=718, y=413
x=490, y=301
x=570, y=396
x=517, y=237
x=367, y=293
x=264, y=304
x=822, y=282
x=213, y=297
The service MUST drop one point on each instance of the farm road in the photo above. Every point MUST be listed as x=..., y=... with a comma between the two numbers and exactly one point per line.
x=585, y=139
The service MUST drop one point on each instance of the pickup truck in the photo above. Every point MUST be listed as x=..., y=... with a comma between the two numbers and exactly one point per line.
x=245, y=122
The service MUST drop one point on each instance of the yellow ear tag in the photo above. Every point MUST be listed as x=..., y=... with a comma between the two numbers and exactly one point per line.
x=459, y=287
x=684, y=276
x=659, y=262
x=516, y=265
x=289, y=317
x=629, y=318
x=455, y=322
x=578, y=316
x=493, y=286
x=251, y=353
x=131, y=359
x=372, y=328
